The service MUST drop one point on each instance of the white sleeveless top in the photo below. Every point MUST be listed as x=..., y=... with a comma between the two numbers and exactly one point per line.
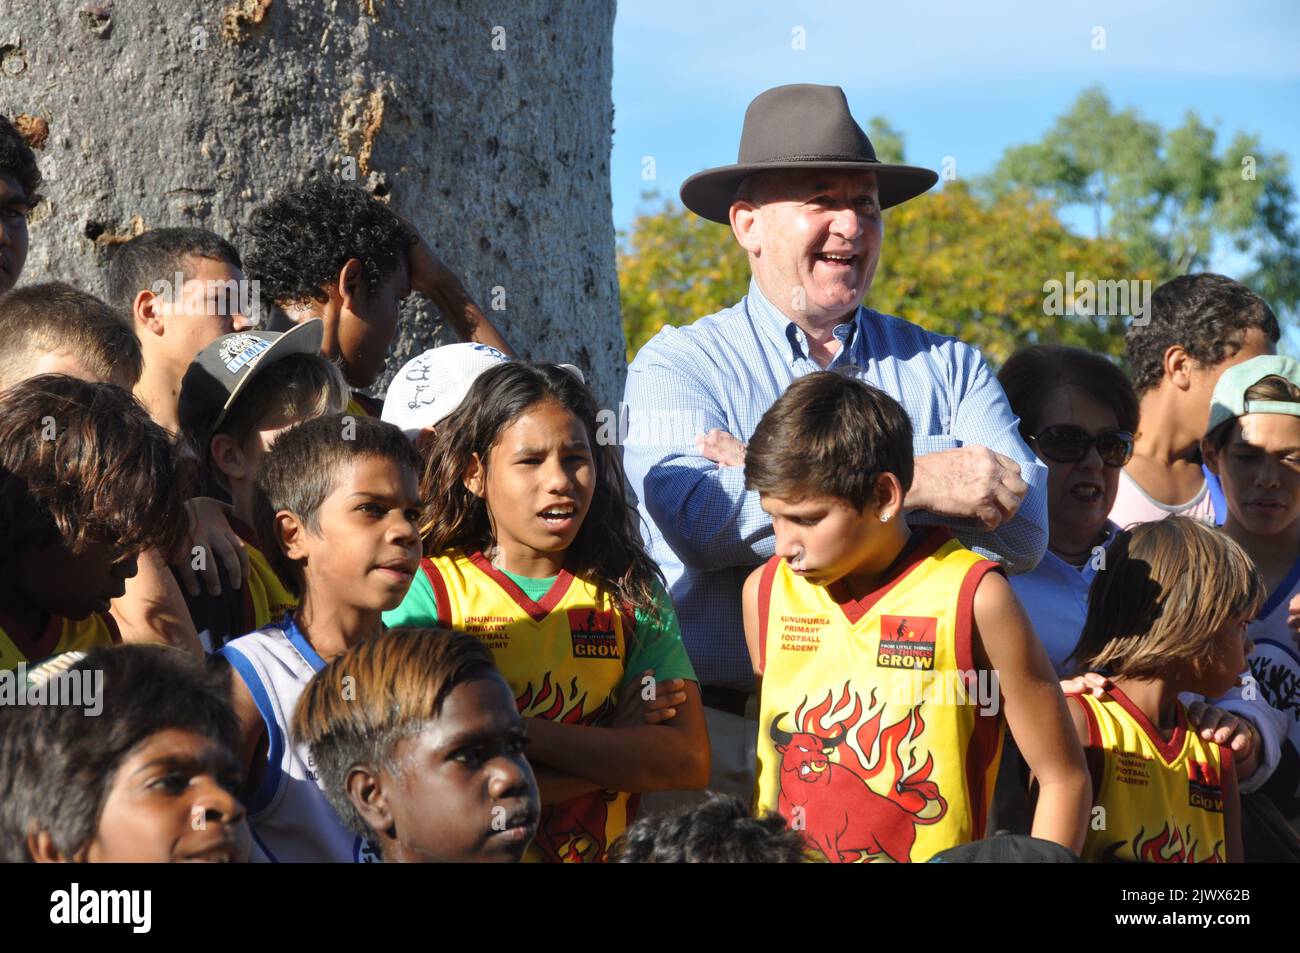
x=1134, y=505
x=290, y=818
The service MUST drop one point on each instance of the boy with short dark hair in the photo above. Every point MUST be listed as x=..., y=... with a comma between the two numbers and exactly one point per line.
x=141, y=769
x=1198, y=326
x=337, y=511
x=87, y=482
x=721, y=830
x=419, y=746
x=20, y=178
x=241, y=392
x=332, y=251
x=871, y=639
x=54, y=328
x=180, y=289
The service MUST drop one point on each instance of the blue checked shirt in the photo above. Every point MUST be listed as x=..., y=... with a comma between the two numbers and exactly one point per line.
x=707, y=532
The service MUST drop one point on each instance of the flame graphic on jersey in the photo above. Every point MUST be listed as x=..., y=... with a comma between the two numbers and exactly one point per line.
x=572, y=831
x=842, y=815
x=1169, y=846
x=554, y=704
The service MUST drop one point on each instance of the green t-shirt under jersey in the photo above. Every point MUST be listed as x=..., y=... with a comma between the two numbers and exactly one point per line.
x=657, y=646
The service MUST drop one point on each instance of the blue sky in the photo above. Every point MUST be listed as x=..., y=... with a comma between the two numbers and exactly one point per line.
x=957, y=79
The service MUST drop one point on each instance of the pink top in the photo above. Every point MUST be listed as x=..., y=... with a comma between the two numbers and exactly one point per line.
x=1133, y=505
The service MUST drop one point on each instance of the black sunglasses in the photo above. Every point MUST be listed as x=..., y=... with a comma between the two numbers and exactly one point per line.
x=1065, y=443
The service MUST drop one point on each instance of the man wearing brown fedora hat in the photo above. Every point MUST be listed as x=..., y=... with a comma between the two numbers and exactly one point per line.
x=804, y=200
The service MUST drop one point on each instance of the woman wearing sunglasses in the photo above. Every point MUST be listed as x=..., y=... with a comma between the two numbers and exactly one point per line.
x=1077, y=411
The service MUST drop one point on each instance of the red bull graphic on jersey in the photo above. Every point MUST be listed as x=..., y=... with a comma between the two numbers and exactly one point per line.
x=830, y=759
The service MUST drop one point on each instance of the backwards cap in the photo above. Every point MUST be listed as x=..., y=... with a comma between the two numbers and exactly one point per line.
x=1229, y=401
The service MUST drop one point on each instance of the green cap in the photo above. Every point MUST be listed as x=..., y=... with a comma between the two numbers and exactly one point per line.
x=1229, y=401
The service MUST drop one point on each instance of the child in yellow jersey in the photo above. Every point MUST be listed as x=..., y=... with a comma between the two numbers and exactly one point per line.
x=886, y=654
x=240, y=393
x=1168, y=615
x=531, y=546
x=87, y=483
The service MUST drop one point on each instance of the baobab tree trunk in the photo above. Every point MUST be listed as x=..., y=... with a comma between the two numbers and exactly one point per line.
x=489, y=130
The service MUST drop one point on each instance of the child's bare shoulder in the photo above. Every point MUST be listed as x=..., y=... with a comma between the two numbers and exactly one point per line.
x=995, y=600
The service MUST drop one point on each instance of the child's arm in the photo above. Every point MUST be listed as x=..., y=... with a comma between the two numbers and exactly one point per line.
x=433, y=279
x=749, y=611
x=152, y=608
x=556, y=786
x=1036, y=712
x=1231, y=810
x=670, y=756
x=632, y=710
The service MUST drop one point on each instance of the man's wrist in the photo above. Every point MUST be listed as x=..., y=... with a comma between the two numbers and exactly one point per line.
x=917, y=498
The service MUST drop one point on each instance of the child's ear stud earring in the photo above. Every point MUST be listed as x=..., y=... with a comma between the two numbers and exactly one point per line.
x=886, y=517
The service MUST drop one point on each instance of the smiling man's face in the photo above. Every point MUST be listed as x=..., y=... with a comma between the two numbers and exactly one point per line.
x=813, y=240
x=15, y=204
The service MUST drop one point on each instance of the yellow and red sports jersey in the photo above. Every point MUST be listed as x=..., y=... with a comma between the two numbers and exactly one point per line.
x=871, y=737
x=564, y=658
x=363, y=405
x=60, y=635
x=1162, y=800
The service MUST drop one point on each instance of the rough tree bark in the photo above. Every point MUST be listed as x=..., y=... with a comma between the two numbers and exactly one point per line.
x=490, y=129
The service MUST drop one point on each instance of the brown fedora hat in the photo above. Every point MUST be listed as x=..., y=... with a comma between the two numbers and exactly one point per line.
x=800, y=127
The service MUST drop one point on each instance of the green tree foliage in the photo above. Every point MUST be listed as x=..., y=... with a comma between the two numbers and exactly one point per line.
x=674, y=267
x=1173, y=198
x=979, y=270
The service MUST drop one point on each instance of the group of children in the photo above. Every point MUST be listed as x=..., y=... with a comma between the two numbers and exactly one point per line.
x=312, y=629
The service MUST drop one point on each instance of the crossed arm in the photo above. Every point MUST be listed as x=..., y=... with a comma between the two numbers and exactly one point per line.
x=693, y=486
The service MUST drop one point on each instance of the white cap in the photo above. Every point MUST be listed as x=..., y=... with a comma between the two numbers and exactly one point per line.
x=430, y=386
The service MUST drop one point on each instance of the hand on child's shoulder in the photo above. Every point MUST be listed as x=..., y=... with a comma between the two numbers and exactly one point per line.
x=1224, y=728
x=1089, y=683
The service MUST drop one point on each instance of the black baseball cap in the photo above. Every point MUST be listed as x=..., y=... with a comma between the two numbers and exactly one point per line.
x=221, y=371
x=1007, y=848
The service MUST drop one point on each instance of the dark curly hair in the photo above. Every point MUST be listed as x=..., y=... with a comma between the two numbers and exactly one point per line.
x=58, y=762
x=18, y=159
x=296, y=244
x=607, y=550
x=1206, y=314
x=719, y=831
